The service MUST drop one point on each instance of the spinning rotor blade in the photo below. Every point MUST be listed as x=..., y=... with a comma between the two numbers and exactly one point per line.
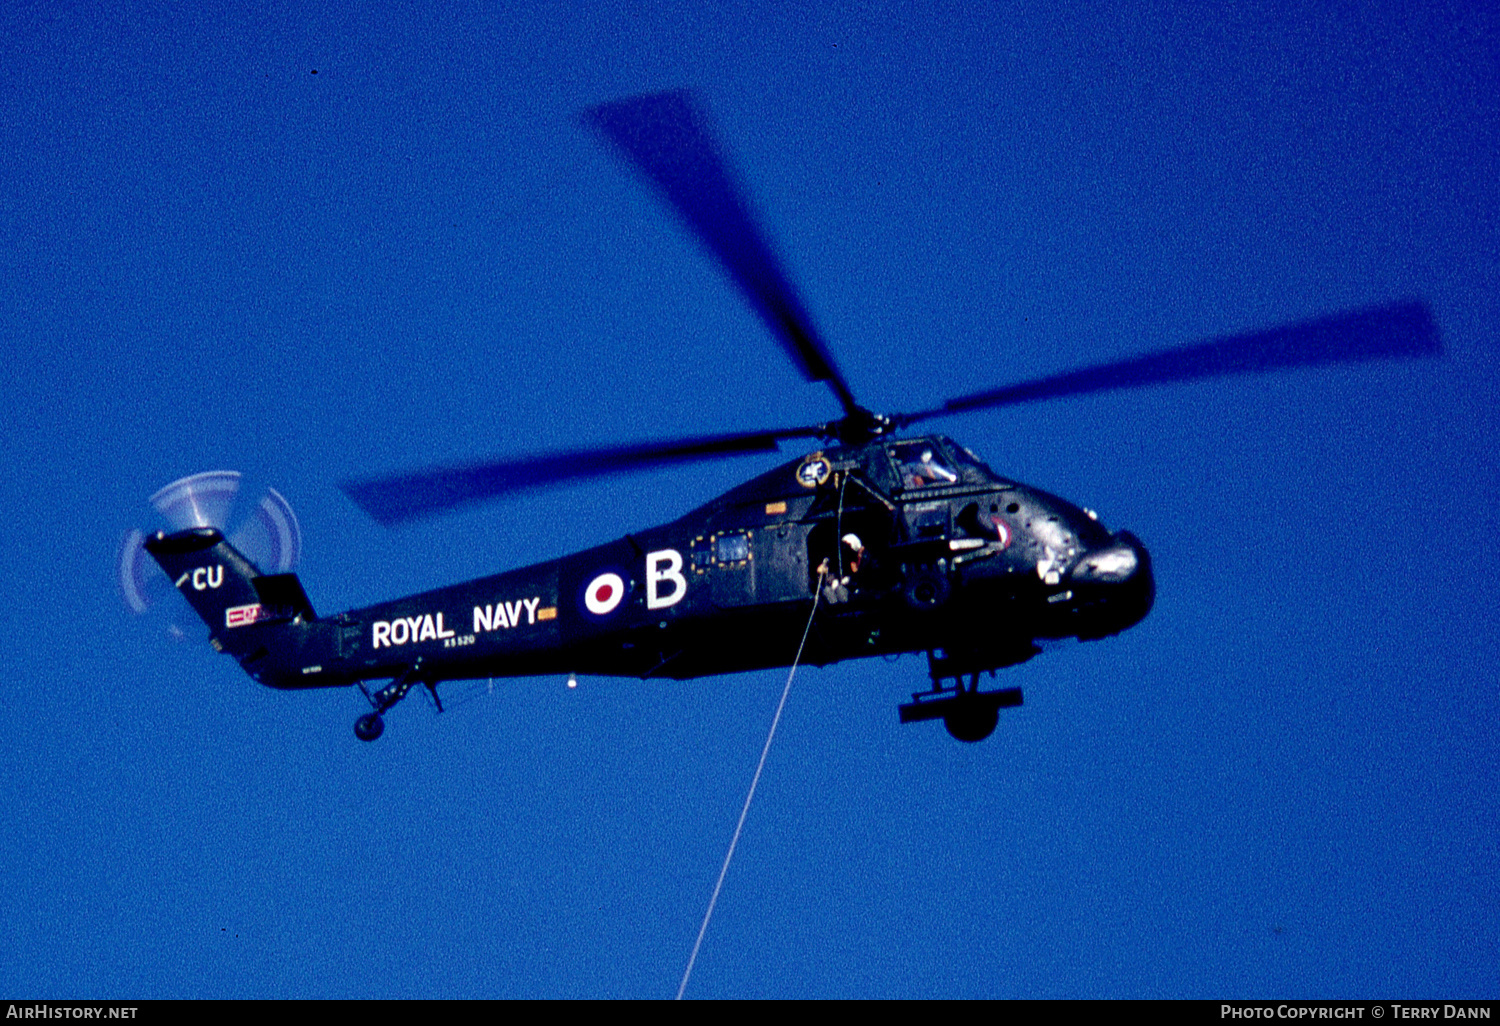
x=139, y=586
x=405, y=497
x=1400, y=330
x=667, y=140
x=200, y=500
x=269, y=536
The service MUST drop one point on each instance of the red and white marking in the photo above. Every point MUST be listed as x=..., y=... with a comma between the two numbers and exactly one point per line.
x=242, y=616
x=604, y=594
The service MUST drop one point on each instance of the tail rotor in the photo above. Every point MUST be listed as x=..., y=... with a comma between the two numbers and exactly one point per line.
x=268, y=535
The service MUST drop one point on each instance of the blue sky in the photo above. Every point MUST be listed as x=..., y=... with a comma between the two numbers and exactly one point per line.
x=1282, y=783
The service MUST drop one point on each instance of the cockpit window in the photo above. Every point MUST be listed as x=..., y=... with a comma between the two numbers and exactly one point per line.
x=920, y=464
x=970, y=465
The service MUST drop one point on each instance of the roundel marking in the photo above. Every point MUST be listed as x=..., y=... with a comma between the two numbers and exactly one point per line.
x=603, y=594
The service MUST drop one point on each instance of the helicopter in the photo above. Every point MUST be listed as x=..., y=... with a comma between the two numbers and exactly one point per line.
x=877, y=542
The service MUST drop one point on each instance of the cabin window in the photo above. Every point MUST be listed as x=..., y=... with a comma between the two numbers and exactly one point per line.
x=929, y=520
x=732, y=548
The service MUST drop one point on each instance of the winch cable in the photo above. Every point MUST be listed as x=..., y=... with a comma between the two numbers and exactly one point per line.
x=822, y=576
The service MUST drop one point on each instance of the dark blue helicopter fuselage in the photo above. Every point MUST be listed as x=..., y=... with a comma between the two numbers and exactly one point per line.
x=952, y=559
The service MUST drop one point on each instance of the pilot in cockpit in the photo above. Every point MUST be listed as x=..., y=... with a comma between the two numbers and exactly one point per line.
x=922, y=468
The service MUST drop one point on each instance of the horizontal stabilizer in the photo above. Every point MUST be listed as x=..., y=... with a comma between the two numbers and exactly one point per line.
x=282, y=597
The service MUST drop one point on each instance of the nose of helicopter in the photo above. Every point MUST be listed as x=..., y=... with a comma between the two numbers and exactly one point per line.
x=1115, y=585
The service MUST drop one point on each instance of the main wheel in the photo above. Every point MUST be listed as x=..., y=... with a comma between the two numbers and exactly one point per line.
x=370, y=726
x=972, y=721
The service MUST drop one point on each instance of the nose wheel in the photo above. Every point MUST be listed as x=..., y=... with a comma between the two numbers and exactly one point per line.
x=369, y=726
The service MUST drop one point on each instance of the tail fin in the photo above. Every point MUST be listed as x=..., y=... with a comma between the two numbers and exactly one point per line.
x=224, y=588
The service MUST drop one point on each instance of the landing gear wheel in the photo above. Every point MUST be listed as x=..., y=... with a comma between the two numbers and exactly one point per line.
x=972, y=721
x=370, y=726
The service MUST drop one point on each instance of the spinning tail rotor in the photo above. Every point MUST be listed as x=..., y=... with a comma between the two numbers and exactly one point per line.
x=268, y=535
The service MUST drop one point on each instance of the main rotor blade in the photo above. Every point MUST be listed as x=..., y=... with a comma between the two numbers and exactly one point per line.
x=405, y=497
x=1400, y=330
x=667, y=140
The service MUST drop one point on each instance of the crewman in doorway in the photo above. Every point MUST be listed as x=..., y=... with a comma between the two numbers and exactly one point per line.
x=837, y=585
x=852, y=551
